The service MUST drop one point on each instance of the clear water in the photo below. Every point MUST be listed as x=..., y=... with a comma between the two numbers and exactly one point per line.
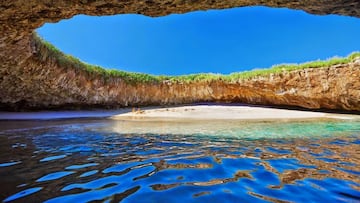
x=112, y=161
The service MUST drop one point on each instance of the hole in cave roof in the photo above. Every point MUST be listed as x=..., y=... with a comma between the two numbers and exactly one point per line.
x=219, y=41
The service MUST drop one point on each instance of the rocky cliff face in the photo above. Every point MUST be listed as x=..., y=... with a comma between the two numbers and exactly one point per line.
x=28, y=80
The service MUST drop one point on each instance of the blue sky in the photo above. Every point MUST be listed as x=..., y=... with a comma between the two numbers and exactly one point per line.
x=218, y=41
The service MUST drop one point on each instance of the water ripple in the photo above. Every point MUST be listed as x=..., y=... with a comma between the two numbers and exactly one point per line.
x=92, y=164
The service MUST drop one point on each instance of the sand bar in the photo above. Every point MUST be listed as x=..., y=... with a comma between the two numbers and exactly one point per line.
x=221, y=112
x=197, y=112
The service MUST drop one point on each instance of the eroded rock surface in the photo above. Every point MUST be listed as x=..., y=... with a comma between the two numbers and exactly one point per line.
x=29, y=80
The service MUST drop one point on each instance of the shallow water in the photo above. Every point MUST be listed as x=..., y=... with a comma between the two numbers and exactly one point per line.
x=112, y=161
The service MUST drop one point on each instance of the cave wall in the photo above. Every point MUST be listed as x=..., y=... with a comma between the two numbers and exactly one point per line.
x=28, y=82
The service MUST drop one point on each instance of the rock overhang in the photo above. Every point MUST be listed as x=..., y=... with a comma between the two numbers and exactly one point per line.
x=21, y=83
x=29, y=15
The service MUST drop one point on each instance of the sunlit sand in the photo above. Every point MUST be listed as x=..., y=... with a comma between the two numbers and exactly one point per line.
x=219, y=112
x=190, y=112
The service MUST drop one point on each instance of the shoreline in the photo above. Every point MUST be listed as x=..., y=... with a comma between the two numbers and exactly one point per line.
x=183, y=112
x=226, y=112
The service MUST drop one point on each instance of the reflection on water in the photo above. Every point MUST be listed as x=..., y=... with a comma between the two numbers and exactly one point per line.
x=101, y=160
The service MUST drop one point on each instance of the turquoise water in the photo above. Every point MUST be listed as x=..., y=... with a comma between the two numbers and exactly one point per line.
x=202, y=161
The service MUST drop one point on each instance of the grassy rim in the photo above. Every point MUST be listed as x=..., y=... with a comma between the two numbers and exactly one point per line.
x=68, y=61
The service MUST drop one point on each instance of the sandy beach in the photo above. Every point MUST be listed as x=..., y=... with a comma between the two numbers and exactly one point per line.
x=191, y=112
x=221, y=112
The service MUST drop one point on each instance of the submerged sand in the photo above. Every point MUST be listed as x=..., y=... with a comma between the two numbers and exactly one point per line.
x=215, y=120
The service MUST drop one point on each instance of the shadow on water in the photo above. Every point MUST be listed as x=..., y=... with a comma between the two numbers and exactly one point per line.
x=101, y=160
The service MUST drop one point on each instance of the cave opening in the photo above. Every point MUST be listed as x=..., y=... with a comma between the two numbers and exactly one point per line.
x=216, y=41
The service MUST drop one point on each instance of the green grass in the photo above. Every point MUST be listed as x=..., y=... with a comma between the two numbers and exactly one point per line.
x=49, y=51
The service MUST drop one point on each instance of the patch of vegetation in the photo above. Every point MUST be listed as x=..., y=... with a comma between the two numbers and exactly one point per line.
x=49, y=51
